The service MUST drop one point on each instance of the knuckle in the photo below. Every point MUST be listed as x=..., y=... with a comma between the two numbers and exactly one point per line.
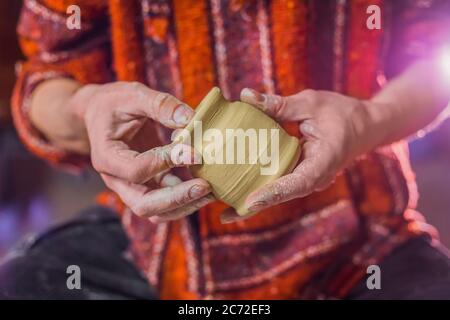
x=277, y=196
x=305, y=181
x=140, y=210
x=137, y=85
x=130, y=85
x=159, y=106
x=308, y=92
x=133, y=90
x=278, y=105
x=159, y=100
x=117, y=86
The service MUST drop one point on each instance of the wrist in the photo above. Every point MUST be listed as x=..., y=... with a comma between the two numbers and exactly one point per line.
x=78, y=105
x=77, y=108
x=54, y=112
x=372, y=125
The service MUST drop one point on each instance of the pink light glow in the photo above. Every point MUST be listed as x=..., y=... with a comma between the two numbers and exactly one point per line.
x=445, y=61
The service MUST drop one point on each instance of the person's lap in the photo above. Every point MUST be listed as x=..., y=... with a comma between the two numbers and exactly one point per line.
x=96, y=243
x=416, y=270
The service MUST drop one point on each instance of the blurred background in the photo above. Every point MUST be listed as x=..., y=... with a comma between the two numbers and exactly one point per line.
x=34, y=196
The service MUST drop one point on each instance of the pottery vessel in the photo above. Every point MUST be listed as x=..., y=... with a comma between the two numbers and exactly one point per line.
x=234, y=173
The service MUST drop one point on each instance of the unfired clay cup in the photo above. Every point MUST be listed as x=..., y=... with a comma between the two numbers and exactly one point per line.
x=233, y=182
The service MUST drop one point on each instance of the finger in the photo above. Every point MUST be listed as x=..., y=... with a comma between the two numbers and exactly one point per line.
x=183, y=211
x=163, y=107
x=128, y=192
x=166, y=199
x=174, y=134
x=146, y=202
x=326, y=182
x=309, y=130
x=183, y=173
x=160, y=175
x=166, y=179
x=283, y=189
x=116, y=159
x=291, y=108
x=312, y=171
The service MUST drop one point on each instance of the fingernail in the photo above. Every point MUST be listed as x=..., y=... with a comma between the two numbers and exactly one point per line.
x=170, y=180
x=256, y=206
x=307, y=129
x=155, y=219
x=231, y=219
x=253, y=95
x=197, y=191
x=175, y=133
x=182, y=114
x=226, y=220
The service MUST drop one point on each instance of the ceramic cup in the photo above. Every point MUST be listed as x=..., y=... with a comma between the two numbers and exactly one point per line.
x=241, y=147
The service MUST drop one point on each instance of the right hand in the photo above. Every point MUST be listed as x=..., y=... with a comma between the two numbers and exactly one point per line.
x=120, y=120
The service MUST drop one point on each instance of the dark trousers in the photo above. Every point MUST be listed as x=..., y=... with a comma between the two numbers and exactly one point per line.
x=96, y=243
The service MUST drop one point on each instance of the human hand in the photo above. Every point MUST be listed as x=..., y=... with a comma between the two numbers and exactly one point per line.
x=334, y=127
x=120, y=121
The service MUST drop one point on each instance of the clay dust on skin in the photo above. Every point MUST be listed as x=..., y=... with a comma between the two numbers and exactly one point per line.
x=236, y=146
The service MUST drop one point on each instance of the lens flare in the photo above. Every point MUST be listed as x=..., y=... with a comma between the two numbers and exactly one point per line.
x=445, y=61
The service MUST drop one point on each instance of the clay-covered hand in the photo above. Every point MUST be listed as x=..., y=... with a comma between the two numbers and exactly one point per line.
x=333, y=126
x=120, y=120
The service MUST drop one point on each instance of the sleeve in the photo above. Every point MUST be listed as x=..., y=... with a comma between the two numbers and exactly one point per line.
x=53, y=50
x=418, y=29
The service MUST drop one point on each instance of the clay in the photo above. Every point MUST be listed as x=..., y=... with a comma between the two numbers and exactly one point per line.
x=236, y=162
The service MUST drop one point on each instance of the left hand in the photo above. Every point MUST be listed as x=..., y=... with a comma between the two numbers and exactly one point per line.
x=335, y=130
x=120, y=119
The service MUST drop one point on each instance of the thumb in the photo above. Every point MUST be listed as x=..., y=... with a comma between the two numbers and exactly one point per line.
x=270, y=104
x=290, y=108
